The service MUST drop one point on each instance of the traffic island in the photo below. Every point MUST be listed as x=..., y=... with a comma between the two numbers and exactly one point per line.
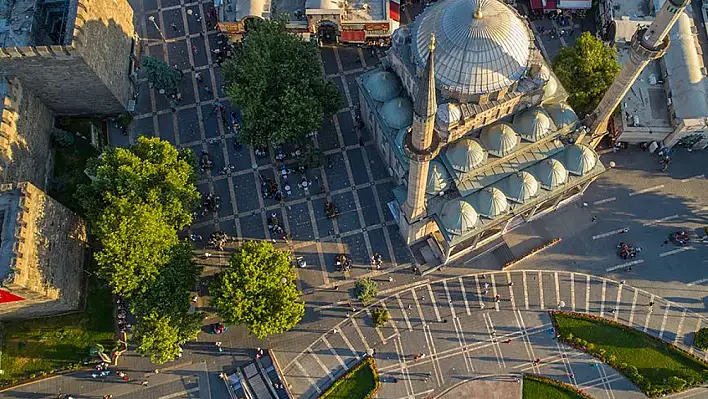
x=360, y=382
x=656, y=367
x=537, y=387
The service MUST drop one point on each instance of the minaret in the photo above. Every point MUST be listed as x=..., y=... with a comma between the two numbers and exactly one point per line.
x=648, y=44
x=422, y=144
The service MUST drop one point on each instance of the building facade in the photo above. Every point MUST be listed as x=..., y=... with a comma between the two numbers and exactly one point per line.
x=474, y=129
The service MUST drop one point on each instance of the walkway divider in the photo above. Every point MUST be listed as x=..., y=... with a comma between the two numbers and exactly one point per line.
x=280, y=373
x=533, y=252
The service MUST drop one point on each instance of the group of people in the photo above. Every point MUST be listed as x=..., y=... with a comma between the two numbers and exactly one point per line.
x=376, y=260
x=680, y=237
x=211, y=202
x=218, y=239
x=331, y=210
x=342, y=263
x=223, y=48
x=275, y=228
x=626, y=251
x=205, y=162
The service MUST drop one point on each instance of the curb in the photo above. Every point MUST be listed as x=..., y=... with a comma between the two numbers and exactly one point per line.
x=533, y=252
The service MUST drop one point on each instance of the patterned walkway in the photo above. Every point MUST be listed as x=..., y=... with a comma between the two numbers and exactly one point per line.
x=465, y=334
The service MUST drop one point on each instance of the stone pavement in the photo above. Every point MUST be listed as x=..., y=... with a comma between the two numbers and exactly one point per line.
x=464, y=333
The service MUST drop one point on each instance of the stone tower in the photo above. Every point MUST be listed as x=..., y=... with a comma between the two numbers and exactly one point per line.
x=648, y=44
x=422, y=144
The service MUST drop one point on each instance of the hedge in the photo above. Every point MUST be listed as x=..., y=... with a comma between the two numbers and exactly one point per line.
x=339, y=390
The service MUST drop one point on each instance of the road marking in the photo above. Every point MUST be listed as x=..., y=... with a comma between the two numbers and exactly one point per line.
x=691, y=178
x=332, y=305
x=405, y=313
x=619, y=300
x=572, y=291
x=334, y=352
x=701, y=281
x=404, y=370
x=479, y=292
x=604, y=201
x=349, y=344
x=455, y=320
x=312, y=382
x=634, y=305
x=433, y=356
x=361, y=335
x=587, y=294
x=464, y=341
x=646, y=190
x=378, y=329
x=558, y=290
x=449, y=299
x=663, y=321
x=651, y=310
x=526, y=290
x=525, y=339
x=680, y=327
x=420, y=309
x=602, y=301
x=675, y=251
x=432, y=300
x=495, y=343
x=494, y=292
x=464, y=296
x=632, y=263
x=540, y=290
x=610, y=233
x=662, y=220
x=390, y=319
x=607, y=382
x=511, y=291
x=176, y=394
x=566, y=365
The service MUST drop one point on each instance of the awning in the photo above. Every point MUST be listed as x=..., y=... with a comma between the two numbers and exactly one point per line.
x=536, y=4
x=353, y=36
x=575, y=4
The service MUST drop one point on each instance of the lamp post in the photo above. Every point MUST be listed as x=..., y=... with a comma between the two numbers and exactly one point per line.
x=152, y=19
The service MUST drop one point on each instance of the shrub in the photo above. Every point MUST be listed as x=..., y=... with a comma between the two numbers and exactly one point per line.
x=701, y=339
x=62, y=138
x=379, y=316
x=366, y=290
x=676, y=383
x=125, y=119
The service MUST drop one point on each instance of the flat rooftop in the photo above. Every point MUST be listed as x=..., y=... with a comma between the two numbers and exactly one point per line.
x=36, y=22
x=646, y=102
x=631, y=9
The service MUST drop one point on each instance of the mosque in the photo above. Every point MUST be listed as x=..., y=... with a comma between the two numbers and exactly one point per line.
x=473, y=127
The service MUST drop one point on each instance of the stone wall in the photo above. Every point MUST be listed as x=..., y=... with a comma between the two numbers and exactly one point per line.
x=47, y=256
x=25, y=136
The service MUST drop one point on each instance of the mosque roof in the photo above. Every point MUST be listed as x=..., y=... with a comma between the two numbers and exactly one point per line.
x=383, y=86
x=579, y=159
x=561, y=114
x=465, y=154
x=550, y=173
x=520, y=187
x=481, y=45
x=458, y=217
x=491, y=202
x=533, y=123
x=499, y=139
x=438, y=178
x=397, y=113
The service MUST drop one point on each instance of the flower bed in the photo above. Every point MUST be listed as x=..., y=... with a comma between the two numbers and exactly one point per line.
x=538, y=387
x=655, y=366
x=534, y=251
x=360, y=382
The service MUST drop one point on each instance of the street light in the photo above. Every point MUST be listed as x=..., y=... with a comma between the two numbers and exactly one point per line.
x=152, y=19
x=283, y=280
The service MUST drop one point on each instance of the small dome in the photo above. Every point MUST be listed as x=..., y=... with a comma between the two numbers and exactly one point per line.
x=438, y=178
x=551, y=173
x=383, y=86
x=551, y=87
x=533, y=123
x=544, y=73
x=499, y=139
x=465, y=154
x=580, y=159
x=400, y=36
x=491, y=202
x=397, y=113
x=458, y=217
x=521, y=186
x=449, y=113
x=562, y=114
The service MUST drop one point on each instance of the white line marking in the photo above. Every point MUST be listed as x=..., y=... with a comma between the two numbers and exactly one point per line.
x=420, y=308
x=698, y=327
x=558, y=290
x=701, y=281
x=680, y=327
x=455, y=320
x=619, y=301
x=494, y=292
x=378, y=329
x=464, y=296
x=479, y=292
x=349, y=345
x=587, y=294
x=691, y=178
x=464, y=342
x=572, y=291
x=176, y=394
x=526, y=290
x=527, y=346
x=390, y=319
x=511, y=291
x=404, y=370
x=651, y=310
x=302, y=370
x=449, y=299
x=405, y=313
x=602, y=301
x=495, y=341
x=663, y=321
x=609, y=233
x=657, y=221
x=604, y=201
x=540, y=290
x=435, y=306
x=634, y=305
x=361, y=335
x=632, y=263
x=334, y=352
x=434, y=355
x=646, y=190
x=675, y=251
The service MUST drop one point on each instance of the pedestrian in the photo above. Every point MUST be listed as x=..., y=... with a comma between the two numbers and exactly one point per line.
x=194, y=49
x=145, y=383
x=390, y=279
x=508, y=341
x=511, y=283
x=198, y=77
x=174, y=26
x=651, y=304
x=612, y=311
x=594, y=218
x=207, y=89
x=623, y=282
x=218, y=346
x=497, y=298
x=626, y=229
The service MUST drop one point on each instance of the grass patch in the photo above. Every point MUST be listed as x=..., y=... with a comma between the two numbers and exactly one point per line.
x=36, y=347
x=656, y=367
x=361, y=382
x=536, y=387
x=69, y=166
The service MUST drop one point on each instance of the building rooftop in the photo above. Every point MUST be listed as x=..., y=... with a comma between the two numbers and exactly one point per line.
x=632, y=9
x=36, y=22
x=350, y=10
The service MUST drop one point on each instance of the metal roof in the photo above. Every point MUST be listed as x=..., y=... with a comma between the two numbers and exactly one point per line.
x=550, y=173
x=499, y=139
x=520, y=187
x=579, y=159
x=482, y=46
x=382, y=86
x=533, y=123
x=397, y=113
x=438, y=178
x=458, y=217
x=491, y=202
x=561, y=114
x=465, y=154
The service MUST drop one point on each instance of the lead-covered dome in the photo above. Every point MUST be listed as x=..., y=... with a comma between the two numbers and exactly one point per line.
x=580, y=159
x=533, y=123
x=562, y=114
x=382, y=86
x=458, y=217
x=465, y=154
x=491, y=202
x=551, y=173
x=499, y=139
x=481, y=46
x=521, y=186
x=397, y=113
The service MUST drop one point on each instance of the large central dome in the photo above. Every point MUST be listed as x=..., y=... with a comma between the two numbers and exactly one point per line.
x=482, y=46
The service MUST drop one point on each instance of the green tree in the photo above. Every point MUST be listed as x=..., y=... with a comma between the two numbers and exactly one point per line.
x=160, y=336
x=258, y=290
x=366, y=290
x=586, y=70
x=379, y=316
x=276, y=79
x=161, y=75
x=700, y=340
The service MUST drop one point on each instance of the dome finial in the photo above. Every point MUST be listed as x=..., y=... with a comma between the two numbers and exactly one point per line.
x=432, y=42
x=478, y=14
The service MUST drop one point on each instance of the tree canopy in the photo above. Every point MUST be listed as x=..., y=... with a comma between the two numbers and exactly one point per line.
x=276, y=79
x=160, y=336
x=258, y=290
x=586, y=70
x=160, y=75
